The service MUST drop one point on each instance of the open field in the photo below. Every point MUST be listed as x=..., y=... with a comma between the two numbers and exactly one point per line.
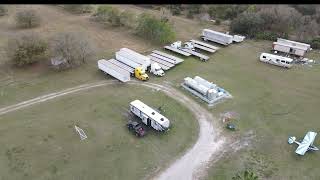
x=274, y=103
x=42, y=143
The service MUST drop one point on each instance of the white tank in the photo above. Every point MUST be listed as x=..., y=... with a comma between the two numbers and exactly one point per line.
x=196, y=86
x=205, y=82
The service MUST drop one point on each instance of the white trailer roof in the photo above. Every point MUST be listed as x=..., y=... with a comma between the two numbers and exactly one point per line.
x=291, y=46
x=277, y=57
x=220, y=33
x=294, y=43
x=151, y=113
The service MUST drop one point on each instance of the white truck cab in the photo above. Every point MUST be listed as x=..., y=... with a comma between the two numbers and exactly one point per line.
x=156, y=69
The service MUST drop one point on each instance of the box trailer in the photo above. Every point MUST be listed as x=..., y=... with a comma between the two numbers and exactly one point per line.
x=216, y=36
x=113, y=70
x=149, y=116
x=123, y=58
x=276, y=60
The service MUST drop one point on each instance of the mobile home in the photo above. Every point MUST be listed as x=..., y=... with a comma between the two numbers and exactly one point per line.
x=291, y=47
x=276, y=60
x=149, y=116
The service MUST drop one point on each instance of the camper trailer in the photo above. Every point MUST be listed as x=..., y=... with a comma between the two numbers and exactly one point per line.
x=149, y=116
x=276, y=60
x=291, y=47
x=217, y=37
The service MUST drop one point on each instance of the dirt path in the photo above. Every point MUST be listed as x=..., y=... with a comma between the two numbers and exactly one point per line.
x=195, y=159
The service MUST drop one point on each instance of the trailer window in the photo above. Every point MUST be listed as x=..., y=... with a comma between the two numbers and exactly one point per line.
x=287, y=62
x=152, y=113
x=263, y=57
x=282, y=61
x=162, y=119
x=277, y=60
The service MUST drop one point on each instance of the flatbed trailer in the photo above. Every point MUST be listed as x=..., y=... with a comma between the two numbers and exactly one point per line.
x=163, y=58
x=177, y=51
x=201, y=56
x=204, y=44
x=162, y=63
x=204, y=48
x=176, y=59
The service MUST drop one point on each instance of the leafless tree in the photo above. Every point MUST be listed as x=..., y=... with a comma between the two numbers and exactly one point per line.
x=75, y=48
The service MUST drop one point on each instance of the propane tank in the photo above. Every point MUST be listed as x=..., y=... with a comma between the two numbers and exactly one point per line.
x=196, y=86
x=205, y=82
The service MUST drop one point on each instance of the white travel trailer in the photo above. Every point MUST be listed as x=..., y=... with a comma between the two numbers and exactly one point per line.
x=149, y=116
x=276, y=60
x=217, y=37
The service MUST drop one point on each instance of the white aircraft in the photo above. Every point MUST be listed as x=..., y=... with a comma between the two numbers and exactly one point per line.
x=306, y=144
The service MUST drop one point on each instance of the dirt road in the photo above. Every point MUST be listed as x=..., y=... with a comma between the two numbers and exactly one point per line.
x=187, y=167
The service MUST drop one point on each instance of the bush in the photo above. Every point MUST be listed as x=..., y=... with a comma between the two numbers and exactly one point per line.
x=3, y=10
x=109, y=15
x=27, y=49
x=78, y=9
x=128, y=19
x=193, y=10
x=28, y=18
x=247, y=24
x=315, y=43
x=73, y=47
x=154, y=29
x=305, y=9
x=268, y=35
x=217, y=22
x=226, y=11
x=175, y=9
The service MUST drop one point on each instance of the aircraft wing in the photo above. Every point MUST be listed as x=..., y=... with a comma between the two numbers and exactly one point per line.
x=306, y=142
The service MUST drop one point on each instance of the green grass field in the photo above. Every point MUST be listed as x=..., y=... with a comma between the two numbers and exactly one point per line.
x=40, y=141
x=273, y=102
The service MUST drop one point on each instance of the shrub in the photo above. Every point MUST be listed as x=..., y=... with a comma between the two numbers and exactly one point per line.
x=305, y=9
x=128, y=19
x=315, y=43
x=217, y=22
x=154, y=29
x=28, y=18
x=73, y=47
x=247, y=24
x=78, y=9
x=3, y=10
x=27, y=49
x=226, y=11
x=267, y=35
x=175, y=9
x=109, y=15
x=193, y=10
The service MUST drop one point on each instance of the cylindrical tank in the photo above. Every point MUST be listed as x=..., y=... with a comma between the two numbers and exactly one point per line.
x=196, y=86
x=205, y=82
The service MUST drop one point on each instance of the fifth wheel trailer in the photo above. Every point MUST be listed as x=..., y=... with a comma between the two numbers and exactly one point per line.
x=113, y=70
x=149, y=116
x=217, y=37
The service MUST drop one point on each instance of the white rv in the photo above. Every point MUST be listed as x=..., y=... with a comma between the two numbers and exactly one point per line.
x=149, y=116
x=276, y=60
